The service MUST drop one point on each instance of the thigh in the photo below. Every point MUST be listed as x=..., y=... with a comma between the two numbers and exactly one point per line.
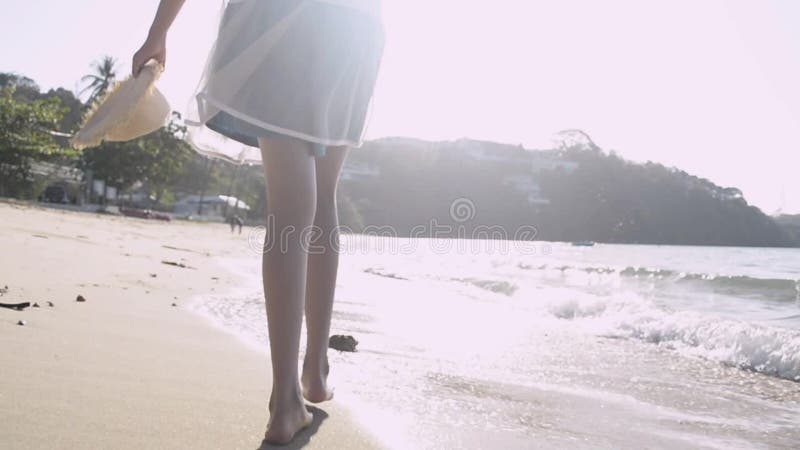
x=288, y=166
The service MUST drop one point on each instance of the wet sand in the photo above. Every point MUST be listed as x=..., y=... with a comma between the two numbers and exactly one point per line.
x=126, y=369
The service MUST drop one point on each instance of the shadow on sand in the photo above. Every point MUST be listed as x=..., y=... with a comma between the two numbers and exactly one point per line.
x=302, y=438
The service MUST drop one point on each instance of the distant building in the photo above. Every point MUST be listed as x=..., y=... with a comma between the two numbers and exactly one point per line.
x=69, y=178
x=543, y=163
x=485, y=152
x=359, y=171
x=527, y=185
x=214, y=207
x=513, y=156
x=731, y=193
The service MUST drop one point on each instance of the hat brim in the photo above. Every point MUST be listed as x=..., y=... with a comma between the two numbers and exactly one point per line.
x=132, y=108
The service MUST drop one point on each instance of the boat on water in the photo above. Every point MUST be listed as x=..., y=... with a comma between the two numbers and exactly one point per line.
x=583, y=244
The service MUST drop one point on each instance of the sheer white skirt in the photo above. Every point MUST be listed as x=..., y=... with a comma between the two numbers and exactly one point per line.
x=302, y=69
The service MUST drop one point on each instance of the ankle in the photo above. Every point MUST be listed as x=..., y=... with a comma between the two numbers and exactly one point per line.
x=286, y=398
x=316, y=364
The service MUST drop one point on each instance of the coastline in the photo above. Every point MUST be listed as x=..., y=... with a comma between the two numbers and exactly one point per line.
x=126, y=369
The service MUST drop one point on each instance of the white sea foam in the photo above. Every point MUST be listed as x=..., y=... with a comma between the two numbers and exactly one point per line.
x=472, y=350
x=769, y=350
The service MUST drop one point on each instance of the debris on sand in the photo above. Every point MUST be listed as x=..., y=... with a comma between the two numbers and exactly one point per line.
x=183, y=249
x=153, y=275
x=15, y=306
x=145, y=214
x=382, y=273
x=50, y=304
x=22, y=323
x=36, y=305
x=343, y=342
x=174, y=304
x=3, y=291
x=80, y=298
x=177, y=264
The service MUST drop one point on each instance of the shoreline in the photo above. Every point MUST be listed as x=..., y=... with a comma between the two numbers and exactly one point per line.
x=126, y=369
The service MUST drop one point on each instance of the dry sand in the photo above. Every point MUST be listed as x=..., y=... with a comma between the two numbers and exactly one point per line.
x=126, y=369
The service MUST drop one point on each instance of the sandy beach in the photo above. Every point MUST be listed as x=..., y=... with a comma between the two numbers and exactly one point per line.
x=126, y=369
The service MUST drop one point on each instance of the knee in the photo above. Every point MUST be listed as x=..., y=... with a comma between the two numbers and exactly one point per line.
x=296, y=211
x=326, y=199
x=326, y=215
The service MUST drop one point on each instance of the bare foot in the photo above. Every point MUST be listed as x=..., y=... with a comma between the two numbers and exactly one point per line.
x=315, y=382
x=286, y=421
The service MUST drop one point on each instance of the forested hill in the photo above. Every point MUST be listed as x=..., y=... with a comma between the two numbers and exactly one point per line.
x=574, y=193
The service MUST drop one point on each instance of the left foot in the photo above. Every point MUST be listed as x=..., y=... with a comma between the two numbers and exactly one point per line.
x=286, y=421
x=315, y=382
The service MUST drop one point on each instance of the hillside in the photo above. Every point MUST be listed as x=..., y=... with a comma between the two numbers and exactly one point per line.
x=576, y=192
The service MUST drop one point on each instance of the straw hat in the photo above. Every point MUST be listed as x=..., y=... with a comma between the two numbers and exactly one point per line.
x=132, y=108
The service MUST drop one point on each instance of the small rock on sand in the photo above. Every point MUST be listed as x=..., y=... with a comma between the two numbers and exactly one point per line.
x=22, y=323
x=36, y=305
x=343, y=343
x=50, y=304
x=174, y=304
x=80, y=298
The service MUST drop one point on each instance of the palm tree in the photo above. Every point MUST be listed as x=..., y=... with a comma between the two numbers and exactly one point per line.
x=101, y=79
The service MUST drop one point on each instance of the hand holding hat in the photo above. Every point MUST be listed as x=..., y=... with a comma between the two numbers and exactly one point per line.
x=132, y=108
x=154, y=48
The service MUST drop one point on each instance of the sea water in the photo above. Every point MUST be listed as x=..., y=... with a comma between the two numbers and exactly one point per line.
x=501, y=344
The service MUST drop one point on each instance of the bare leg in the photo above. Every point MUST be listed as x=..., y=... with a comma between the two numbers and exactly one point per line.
x=323, y=263
x=291, y=197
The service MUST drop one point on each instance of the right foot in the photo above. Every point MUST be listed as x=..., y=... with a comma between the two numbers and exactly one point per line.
x=315, y=382
x=286, y=422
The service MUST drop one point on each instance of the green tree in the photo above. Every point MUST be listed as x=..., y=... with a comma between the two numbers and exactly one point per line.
x=24, y=136
x=24, y=87
x=73, y=112
x=159, y=159
x=167, y=157
x=100, y=80
x=119, y=164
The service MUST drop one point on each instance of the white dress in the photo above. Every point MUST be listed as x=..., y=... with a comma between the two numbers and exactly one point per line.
x=302, y=69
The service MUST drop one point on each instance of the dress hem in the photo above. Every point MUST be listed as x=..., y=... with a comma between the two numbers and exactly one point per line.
x=274, y=128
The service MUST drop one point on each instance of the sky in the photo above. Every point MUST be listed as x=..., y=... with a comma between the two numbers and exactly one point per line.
x=709, y=86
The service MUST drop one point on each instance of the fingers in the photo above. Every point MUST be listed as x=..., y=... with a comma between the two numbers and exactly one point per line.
x=162, y=59
x=139, y=61
x=135, y=67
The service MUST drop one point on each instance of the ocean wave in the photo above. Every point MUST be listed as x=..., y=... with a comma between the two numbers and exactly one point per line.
x=785, y=289
x=769, y=350
x=733, y=281
x=496, y=286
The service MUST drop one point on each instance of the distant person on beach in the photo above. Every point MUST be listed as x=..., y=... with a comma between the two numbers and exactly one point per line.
x=236, y=220
x=288, y=83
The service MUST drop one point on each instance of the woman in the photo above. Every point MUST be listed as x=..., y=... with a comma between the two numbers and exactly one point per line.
x=288, y=83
